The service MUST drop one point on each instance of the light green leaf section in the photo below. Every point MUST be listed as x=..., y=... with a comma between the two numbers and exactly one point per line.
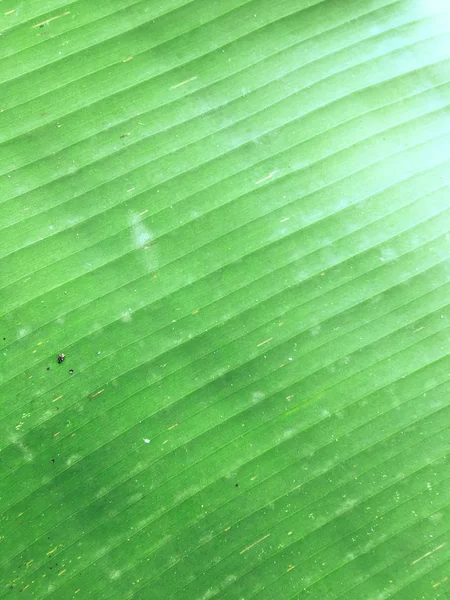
x=232, y=218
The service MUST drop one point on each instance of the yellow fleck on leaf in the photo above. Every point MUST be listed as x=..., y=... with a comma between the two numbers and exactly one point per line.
x=264, y=342
x=183, y=82
x=254, y=543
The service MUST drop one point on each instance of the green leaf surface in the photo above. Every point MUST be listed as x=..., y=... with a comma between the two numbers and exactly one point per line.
x=232, y=218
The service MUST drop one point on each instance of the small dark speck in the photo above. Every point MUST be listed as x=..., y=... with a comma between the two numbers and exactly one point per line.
x=4, y=339
x=53, y=460
x=41, y=26
x=236, y=485
x=48, y=537
x=48, y=368
x=71, y=371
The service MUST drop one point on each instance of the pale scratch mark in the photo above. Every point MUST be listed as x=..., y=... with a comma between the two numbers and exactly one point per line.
x=61, y=572
x=58, y=398
x=254, y=544
x=439, y=582
x=51, y=19
x=290, y=568
x=40, y=343
x=194, y=312
x=285, y=219
x=143, y=212
x=264, y=342
x=97, y=393
x=125, y=135
x=290, y=397
x=427, y=554
x=130, y=190
x=269, y=176
x=28, y=208
x=129, y=58
x=34, y=351
x=56, y=434
x=51, y=551
x=253, y=478
x=183, y=82
x=419, y=329
x=165, y=442
x=76, y=591
x=172, y=426
x=10, y=11
x=227, y=528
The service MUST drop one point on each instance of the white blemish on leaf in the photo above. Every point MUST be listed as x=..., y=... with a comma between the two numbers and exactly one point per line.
x=269, y=176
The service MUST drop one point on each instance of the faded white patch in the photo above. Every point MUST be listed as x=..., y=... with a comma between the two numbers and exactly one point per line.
x=101, y=492
x=287, y=433
x=73, y=458
x=388, y=254
x=257, y=397
x=15, y=440
x=126, y=317
x=23, y=331
x=141, y=233
x=210, y=593
x=115, y=574
x=205, y=538
x=185, y=493
x=135, y=498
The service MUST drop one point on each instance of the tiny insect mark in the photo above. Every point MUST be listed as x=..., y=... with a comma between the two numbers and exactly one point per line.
x=71, y=371
x=53, y=460
x=61, y=357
